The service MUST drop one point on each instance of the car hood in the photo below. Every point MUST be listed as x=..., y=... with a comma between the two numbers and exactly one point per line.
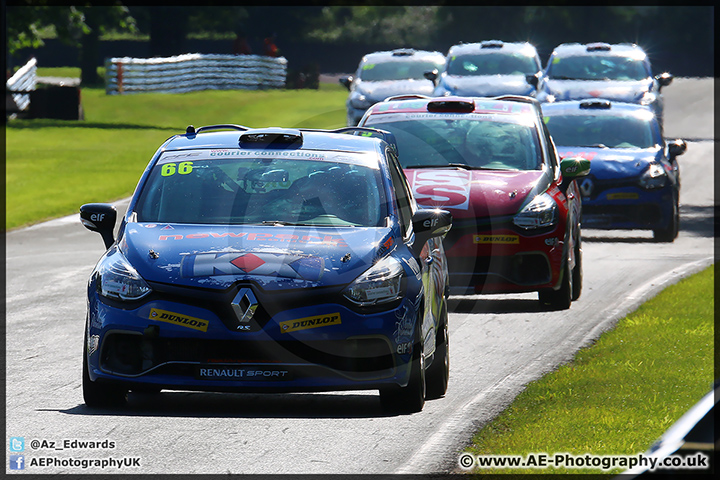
x=626, y=91
x=476, y=193
x=487, y=85
x=609, y=163
x=379, y=91
x=275, y=257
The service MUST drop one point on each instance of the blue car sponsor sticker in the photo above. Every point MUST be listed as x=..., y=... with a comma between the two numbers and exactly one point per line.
x=268, y=264
x=242, y=373
x=178, y=319
x=310, y=322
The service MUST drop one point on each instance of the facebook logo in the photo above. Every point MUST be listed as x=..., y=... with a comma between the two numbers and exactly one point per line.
x=17, y=462
x=17, y=444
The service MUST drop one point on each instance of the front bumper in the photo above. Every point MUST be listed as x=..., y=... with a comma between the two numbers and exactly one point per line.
x=354, y=115
x=502, y=259
x=628, y=208
x=326, y=346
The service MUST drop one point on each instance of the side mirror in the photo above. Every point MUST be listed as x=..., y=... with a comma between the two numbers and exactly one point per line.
x=346, y=81
x=432, y=75
x=429, y=223
x=532, y=79
x=573, y=167
x=664, y=79
x=676, y=148
x=100, y=217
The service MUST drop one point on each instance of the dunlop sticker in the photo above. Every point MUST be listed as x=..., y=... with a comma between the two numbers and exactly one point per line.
x=310, y=322
x=178, y=319
x=510, y=239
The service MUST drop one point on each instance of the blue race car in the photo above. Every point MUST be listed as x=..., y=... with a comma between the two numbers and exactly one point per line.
x=634, y=182
x=381, y=75
x=488, y=69
x=617, y=72
x=269, y=260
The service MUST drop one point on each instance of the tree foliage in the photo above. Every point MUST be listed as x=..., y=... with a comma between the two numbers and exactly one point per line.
x=670, y=32
x=26, y=22
x=377, y=25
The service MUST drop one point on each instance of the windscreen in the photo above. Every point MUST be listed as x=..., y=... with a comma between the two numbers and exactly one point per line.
x=272, y=187
x=492, y=64
x=597, y=67
x=473, y=140
x=601, y=131
x=403, y=70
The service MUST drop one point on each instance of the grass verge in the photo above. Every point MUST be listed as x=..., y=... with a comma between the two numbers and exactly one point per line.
x=621, y=394
x=54, y=166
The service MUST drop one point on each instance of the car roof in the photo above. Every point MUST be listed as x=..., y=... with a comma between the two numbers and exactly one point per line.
x=504, y=105
x=402, y=55
x=594, y=106
x=236, y=136
x=599, y=48
x=493, y=46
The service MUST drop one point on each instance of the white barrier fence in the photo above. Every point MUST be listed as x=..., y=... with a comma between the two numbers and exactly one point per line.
x=24, y=80
x=192, y=72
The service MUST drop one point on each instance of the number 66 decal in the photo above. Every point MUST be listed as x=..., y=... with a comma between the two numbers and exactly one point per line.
x=183, y=168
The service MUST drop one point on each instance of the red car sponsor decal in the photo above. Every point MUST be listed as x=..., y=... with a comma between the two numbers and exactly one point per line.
x=446, y=188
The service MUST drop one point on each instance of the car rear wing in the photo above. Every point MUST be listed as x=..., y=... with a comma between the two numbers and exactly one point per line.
x=282, y=136
x=388, y=137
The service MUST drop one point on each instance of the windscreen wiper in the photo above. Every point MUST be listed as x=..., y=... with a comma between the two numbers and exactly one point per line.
x=282, y=222
x=464, y=166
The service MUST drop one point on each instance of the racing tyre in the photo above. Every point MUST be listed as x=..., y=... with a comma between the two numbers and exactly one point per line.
x=409, y=399
x=97, y=395
x=561, y=298
x=669, y=233
x=577, y=274
x=438, y=372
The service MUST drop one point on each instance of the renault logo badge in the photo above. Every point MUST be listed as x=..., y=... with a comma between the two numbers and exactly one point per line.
x=586, y=187
x=244, y=305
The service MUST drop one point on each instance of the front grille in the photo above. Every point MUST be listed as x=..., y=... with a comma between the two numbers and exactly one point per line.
x=520, y=269
x=270, y=303
x=132, y=354
x=600, y=186
x=644, y=214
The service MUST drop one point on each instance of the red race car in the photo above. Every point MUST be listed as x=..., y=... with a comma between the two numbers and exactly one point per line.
x=515, y=205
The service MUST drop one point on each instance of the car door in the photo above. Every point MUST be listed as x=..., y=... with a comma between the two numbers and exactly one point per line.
x=427, y=257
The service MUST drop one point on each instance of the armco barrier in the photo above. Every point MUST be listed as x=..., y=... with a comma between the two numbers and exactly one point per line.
x=24, y=80
x=192, y=72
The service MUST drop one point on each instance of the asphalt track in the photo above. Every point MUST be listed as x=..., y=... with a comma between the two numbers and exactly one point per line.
x=498, y=344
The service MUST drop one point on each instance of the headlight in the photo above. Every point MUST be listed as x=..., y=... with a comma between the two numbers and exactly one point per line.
x=443, y=90
x=379, y=284
x=118, y=279
x=648, y=98
x=541, y=212
x=360, y=101
x=654, y=177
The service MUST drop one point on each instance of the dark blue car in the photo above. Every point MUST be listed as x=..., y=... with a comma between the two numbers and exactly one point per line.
x=617, y=72
x=269, y=260
x=634, y=180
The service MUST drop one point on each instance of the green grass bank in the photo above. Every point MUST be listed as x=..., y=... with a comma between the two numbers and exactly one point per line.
x=54, y=166
x=621, y=394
